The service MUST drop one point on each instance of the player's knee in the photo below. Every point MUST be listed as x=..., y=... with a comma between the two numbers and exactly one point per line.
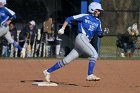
x=95, y=56
x=66, y=61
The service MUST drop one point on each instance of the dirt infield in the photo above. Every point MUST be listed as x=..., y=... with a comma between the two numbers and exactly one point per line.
x=117, y=76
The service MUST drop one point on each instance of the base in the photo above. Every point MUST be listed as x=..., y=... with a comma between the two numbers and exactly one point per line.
x=44, y=84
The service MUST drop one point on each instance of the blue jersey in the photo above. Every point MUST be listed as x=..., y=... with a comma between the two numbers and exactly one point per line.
x=6, y=14
x=87, y=24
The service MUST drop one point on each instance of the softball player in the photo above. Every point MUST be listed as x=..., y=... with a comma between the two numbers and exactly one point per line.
x=6, y=15
x=88, y=25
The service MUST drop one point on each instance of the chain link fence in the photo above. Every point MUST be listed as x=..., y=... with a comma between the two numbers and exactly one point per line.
x=118, y=15
x=108, y=47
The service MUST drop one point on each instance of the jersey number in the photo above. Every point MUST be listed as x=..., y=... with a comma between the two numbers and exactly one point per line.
x=91, y=28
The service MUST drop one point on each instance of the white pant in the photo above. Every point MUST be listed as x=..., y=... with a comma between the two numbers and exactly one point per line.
x=82, y=46
x=4, y=31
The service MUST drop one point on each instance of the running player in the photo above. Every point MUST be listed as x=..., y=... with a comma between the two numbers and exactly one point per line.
x=88, y=25
x=6, y=16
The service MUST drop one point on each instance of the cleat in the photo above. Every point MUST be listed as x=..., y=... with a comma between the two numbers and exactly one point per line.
x=92, y=78
x=47, y=75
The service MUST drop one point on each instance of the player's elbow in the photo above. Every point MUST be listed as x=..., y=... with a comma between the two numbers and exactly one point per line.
x=101, y=35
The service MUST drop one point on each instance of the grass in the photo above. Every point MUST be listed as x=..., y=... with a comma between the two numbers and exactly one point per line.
x=108, y=46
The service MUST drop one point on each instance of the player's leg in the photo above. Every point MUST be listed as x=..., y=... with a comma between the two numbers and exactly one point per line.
x=82, y=43
x=132, y=48
x=3, y=30
x=71, y=56
x=10, y=40
x=125, y=47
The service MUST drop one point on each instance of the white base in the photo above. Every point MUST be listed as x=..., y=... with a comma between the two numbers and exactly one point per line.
x=45, y=84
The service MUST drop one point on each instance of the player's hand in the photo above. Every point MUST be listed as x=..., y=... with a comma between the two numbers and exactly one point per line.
x=61, y=31
x=106, y=31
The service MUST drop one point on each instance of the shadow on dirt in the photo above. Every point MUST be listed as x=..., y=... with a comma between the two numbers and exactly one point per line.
x=59, y=83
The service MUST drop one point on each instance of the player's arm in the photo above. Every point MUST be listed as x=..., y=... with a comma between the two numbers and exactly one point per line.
x=100, y=32
x=11, y=14
x=69, y=20
x=79, y=18
x=99, y=29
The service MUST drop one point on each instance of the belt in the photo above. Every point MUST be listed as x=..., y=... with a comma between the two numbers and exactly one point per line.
x=84, y=34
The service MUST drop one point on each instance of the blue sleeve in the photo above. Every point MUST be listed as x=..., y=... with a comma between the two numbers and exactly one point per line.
x=99, y=30
x=10, y=13
x=69, y=19
x=79, y=17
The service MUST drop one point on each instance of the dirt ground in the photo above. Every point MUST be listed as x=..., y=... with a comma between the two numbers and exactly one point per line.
x=117, y=76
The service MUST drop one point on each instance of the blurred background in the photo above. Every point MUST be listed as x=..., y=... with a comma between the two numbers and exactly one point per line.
x=117, y=16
